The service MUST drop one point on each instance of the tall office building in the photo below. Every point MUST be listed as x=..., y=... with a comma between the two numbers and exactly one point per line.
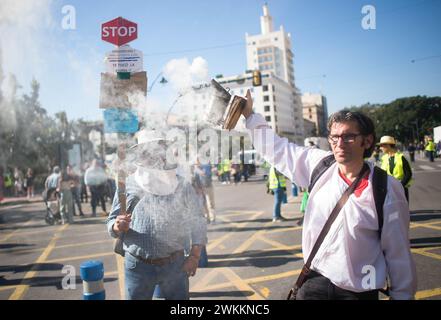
x=270, y=51
x=315, y=109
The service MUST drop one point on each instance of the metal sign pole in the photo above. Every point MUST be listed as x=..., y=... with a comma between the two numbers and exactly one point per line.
x=121, y=177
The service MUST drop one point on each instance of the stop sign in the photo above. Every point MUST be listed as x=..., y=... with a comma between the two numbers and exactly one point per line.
x=119, y=31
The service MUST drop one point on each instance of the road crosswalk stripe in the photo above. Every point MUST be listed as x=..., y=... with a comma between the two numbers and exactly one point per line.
x=424, y=167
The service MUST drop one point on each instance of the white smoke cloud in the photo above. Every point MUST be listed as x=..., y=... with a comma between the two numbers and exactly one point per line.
x=183, y=74
x=24, y=28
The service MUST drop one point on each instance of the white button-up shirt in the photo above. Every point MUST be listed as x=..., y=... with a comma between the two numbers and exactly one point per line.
x=351, y=256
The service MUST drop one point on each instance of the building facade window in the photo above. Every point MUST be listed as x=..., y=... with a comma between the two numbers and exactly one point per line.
x=265, y=88
x=266, y=108
x=268, y=118
x=265, y=98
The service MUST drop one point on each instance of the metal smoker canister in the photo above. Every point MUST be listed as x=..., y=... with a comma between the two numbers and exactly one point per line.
x=218, y=104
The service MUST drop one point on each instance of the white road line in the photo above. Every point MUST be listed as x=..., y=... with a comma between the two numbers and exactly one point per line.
x=439, y=165
x=425, y=167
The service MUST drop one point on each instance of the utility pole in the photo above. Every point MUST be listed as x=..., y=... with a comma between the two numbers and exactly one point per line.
x=417, y=130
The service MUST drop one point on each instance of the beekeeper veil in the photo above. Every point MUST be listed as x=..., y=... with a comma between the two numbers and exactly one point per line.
x=155, y=165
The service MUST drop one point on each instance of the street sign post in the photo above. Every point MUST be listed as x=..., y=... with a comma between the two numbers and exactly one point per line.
x=120, y=121
x=124, y=77
x=119, y=31
x=123, y=59
x=115, y=93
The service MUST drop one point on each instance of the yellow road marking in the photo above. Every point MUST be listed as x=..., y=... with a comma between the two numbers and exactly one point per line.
x=274, y=243
x=265, y=292
x=427, y=254
x=274, y=276
x=7, y=288
x=284, y=229
x=121, y=277
x=238, y=213
x=240, y=284
x=430, y=225
x=217, y=242
x=288, y=248
x=22, y=251
x=106, y=274
x=201, y=284
x=248, y=242
x=26, y=233
x=89, y=256
x=277, y=276
x=11, y=234
x=80, y=244
x=428, y=293
x=21, y=290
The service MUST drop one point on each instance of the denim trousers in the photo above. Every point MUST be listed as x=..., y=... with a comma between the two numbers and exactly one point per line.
x=141, y=279
x=278, y=200
x=318, y=287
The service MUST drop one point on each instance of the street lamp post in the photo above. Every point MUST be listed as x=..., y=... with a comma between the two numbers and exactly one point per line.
x=417, y=130
x=163, y=81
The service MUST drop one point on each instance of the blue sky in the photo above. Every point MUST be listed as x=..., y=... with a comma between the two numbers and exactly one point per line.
x=333, y=54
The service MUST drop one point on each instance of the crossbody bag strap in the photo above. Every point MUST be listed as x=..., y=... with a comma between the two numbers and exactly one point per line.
x=341, y=202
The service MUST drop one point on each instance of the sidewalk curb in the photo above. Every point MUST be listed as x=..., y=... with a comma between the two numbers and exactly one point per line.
x=13, y=203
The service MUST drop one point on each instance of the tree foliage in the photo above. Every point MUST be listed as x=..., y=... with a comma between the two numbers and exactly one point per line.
x=29, y=137
x=407, y=119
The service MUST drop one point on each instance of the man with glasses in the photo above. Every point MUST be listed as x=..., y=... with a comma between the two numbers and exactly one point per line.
x=355, y=257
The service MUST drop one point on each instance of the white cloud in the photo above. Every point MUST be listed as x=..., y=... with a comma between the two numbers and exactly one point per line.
x=24, y=29
x=183, y=74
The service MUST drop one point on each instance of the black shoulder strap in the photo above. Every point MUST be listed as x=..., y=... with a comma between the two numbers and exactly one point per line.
x=379, y=185
x=318, y=171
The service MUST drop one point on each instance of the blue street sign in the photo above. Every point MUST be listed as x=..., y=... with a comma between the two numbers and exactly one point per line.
x=120, y=121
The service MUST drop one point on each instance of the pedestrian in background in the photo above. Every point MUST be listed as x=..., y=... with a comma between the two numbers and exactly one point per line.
x=395, y=164
x=96, y=180
x=18, y=182
x=411, y=149
x=2, y=184
x=83, y=193
x=75, y=190
x=64, y=188
x=29, y=183
x=277, y=186
x=430, y=149
x=204, y=175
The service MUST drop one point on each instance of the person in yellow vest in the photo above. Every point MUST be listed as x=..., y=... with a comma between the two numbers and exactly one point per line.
x=226, y=168
x=395, y=164
x=277, y=185
x=430, y=149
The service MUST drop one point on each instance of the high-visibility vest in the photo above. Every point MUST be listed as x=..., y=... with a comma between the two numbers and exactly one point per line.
x=275, y=183
x=430, y=146
x=226, y=165
x=8, y=181
x=398, y=172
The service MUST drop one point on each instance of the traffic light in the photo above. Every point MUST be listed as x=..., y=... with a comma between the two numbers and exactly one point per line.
x=257, y=78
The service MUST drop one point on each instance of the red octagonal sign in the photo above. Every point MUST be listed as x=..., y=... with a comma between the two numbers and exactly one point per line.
x=119, y=31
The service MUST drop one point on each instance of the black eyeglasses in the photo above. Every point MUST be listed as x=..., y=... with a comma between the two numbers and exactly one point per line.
x=347, y=138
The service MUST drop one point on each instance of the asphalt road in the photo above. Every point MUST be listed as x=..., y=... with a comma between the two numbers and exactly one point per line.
x=249, y=256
